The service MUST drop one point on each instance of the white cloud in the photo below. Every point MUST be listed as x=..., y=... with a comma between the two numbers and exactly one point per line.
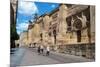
x=27, y=8
x=53, y=6
x=21, y=27
x=18, y=31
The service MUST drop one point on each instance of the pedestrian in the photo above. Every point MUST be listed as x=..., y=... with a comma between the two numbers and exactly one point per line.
x=30, y=45
x=41, y=49
x=38, y=49
x=47, y=51
x=17, y=45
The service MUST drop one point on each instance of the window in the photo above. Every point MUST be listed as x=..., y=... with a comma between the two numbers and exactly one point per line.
x=49, y=33
x=68, y=20
x=79, y=36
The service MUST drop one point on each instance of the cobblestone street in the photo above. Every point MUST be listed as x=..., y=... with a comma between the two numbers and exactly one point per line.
x=29, y=56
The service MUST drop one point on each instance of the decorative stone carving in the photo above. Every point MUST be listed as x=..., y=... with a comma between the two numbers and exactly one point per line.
x=77, y=24
x=83, y=19
x=62, y=19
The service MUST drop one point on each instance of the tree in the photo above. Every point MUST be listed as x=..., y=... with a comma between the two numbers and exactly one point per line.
x=13, y=34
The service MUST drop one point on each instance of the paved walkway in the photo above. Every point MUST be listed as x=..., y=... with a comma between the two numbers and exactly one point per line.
x=29, y=56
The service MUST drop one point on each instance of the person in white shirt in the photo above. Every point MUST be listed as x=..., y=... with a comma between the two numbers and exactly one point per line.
x=41, y=48
x=47, y=50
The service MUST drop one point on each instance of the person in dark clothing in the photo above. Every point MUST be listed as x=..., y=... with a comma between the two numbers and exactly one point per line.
x=17, y=45
x=30, y=44
x=39, y=50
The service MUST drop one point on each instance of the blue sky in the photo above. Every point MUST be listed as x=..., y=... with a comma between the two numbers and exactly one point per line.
x=26, y=11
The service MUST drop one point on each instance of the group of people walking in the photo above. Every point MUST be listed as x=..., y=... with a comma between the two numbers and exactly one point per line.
x=41, y=49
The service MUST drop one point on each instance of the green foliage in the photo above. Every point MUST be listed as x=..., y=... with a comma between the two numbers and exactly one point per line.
x=13, y=33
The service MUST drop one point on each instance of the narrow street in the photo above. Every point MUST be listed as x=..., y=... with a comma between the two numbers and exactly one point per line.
x=29, y=56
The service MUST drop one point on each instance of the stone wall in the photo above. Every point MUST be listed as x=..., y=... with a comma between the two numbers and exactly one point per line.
x=71, y=30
